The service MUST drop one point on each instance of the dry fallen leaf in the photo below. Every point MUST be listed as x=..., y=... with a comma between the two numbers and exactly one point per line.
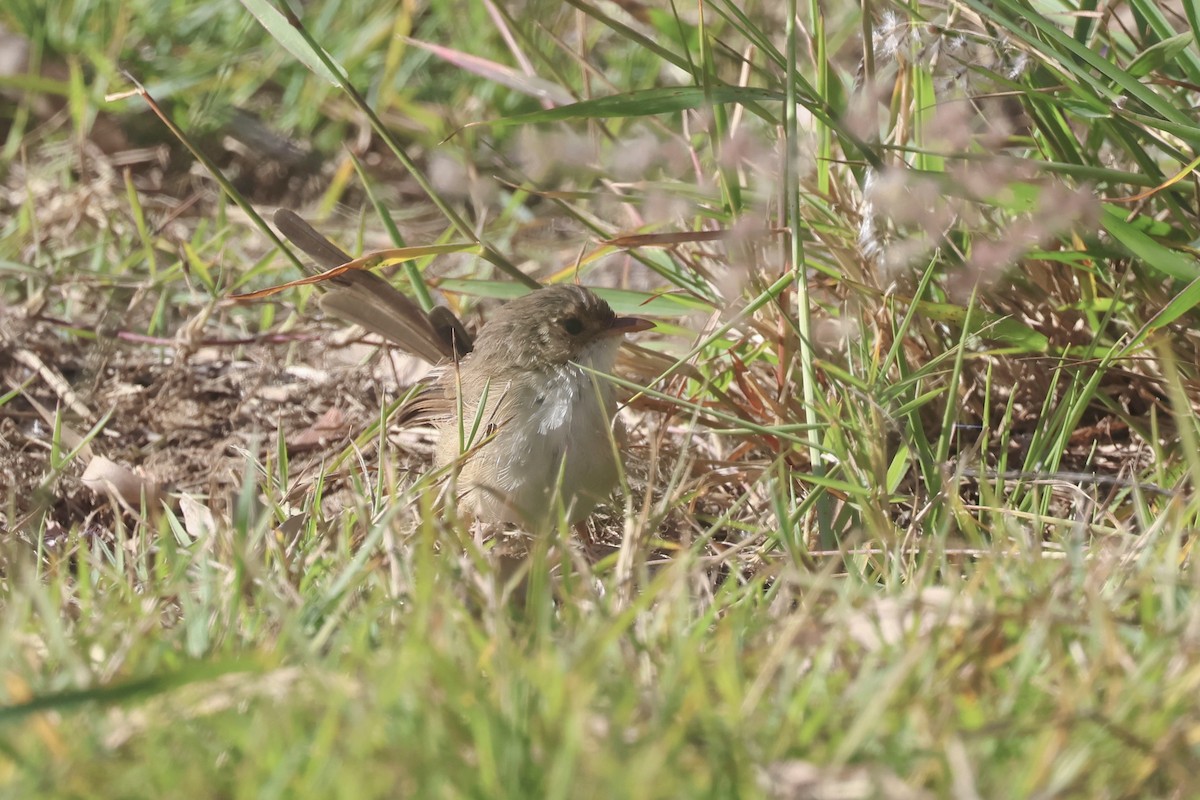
x=331, y=426
x=198, y=518
x=120, y=483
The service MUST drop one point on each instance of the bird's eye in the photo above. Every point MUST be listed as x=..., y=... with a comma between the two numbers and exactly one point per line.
x=573, y=326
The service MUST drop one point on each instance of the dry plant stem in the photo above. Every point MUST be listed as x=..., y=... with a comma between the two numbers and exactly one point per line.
x=61, y=387
x=825, y=533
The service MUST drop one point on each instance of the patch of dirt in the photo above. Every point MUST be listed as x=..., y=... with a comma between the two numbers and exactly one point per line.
x=182, y=420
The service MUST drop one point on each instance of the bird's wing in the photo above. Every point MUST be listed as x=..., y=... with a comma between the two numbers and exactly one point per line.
x=431, y=405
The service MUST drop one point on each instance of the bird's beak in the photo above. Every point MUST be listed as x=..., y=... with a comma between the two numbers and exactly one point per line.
x=622, y=325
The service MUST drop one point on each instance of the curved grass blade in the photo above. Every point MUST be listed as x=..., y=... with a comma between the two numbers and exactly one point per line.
x=644, y=103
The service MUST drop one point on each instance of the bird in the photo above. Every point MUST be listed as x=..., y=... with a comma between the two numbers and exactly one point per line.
x=526, y=425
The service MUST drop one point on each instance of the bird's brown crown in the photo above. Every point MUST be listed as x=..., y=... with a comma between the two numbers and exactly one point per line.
x=547, y=327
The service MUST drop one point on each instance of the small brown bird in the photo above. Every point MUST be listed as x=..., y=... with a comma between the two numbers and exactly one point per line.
x=518, y=410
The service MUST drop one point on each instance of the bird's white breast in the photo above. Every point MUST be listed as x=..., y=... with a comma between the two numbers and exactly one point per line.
x=559, y=424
